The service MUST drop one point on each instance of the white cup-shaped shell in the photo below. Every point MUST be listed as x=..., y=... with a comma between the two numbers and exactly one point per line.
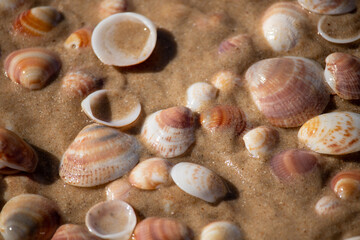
x=328, y=206
x=198, y=181
x=260, y=141
x=105, y=39
x=118, y=189
x=199, y=95
x=222, y=230
x=328, y=6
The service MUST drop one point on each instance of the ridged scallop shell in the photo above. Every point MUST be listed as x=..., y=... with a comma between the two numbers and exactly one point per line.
x=333, y=133
x=80, y=83
x=37, y=21
x=328, y=6
x=81, y=38
x=113, y=219
x=110, y=7
x=234, y=43
x=261, y=140
x=118, y=189
x=98, y=155
x=154, y=228
x=29, y=216
x=328, y=206
x=9, y=5
x=346, y=184
x=32, y=67
x=199, y=95
x=169, y=132
x=342, y=74
x=198, y=181
x=288, y=90
x=226, y=81
x=73, y=232
x=221, y=230
x=151, y=174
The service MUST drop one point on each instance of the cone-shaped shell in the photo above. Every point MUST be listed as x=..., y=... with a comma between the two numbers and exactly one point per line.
x=73, y=232
x=333, y=133
x=118, y=189
x=260, y=141
x=80, y=83
x=288, y=90
x=221, y=230
x=346, y=184
x=110, y=7
x=329, y=6
x=328, y=206
x=199, y=95
x=79, y=39
x=29, y=216
x=98, y=155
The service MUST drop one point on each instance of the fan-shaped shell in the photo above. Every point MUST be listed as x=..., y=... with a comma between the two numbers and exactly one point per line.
x=73, y=232
x=333, y=133
x=29, y=216
x=98, y=155
x=234, y=43
x=198, y=181
x=287, y=90
x=260, y=141
x=80, y=83
x=169, y=132
x=221, y=230
x=329, y=6
x=9, y=5
x=118, y=189
x=346, y=184
x=226, y=81
x=328, y=205
x=110, y=7
x=81, y=38
x=200, y=95
x=32, y=67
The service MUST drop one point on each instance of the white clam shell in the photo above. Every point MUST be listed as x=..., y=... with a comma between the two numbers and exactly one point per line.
x=200, y=95
x=259, y=141
x=328, y=205
x=328, y=6
x=221, y=230
x=327, y=37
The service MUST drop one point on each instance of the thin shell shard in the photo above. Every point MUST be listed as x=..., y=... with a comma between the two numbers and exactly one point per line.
x=328, y=6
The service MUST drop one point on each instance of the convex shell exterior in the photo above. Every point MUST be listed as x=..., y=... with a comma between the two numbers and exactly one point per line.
x=329, y=6
x=328, y=206
x=221, y=230
x=80, y=83
x=260, y=141
x=73, y=232
x=199, y=95
x=346, y=184
x=81, y=38
x=110, y=7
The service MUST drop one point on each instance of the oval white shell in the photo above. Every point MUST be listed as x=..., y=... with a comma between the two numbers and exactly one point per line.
x=260, y=141
x=328, y=205
x=226, y=80
x=200, y=95
x=329, y=6
x=9, y=5
x=221, y=230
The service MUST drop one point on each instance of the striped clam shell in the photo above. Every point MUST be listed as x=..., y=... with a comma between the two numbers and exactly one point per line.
x=9, y=5
x=118, y=189
x=169, y=132
x=226, y=81
x=261, y=140
x=199, y=95
x=80, y=83
x=73, y=232
x=32, y=68
x=81, y=38
x=287, y=90
x=110, y=7
x=328, y=206
x=346, y=184
x=37, y=21
x=328, y=6
x=221, y=230
x=333, y=133
x=98, y=154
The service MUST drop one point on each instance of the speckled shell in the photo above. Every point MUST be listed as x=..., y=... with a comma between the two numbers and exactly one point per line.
x=329, y=6
x=221, y=230
x=333, y=133
x=261, y=140
x=226, y=81
x=110, y=7
x=118, y=189
x=98, y=155
x=154, y=228
x=81, y=38
x=32, y=68
x=37, y=21
x=169, y=132
x=328, y=206
x=199, y=95
x=198, y=181
x=346, y=184
x=80, y=83
x=233, y=43
x=73, y=232
x=10, y=5
x=287, y=90
x=29, y=216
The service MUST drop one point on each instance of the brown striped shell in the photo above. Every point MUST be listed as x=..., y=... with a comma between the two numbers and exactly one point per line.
x=81, y=38
x=73, y=232
x=346, y=184
x=110, y=7
x=328, y=6
x=80, y=83
x=32, y=68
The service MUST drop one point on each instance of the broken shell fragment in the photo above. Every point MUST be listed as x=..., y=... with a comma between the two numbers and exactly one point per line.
x=221, y=230
x=200, y=95
x=260, y=141
x=346, y=184
x=226, y=81
x=328, y=206
x=80, y=83
x=79, y=39
x=73, y=232
x=328, y=6
x=110, y=7
x=118, y=189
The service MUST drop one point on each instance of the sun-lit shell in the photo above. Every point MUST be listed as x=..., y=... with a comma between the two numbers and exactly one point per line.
x=226, y=81
x=154, y=228
x=199, y=95
x=329, y=6
x=169, y=132
x=113, y=219
x=198, y=181
x=29, y=216
x=98, y=154
x=37, y=21
x=232, y=44
x=73, y=232
x=288, y=90
x=32, y=68
x=346, y=184
x=79, y=39
x=261, y=140
x=333, y=133
x=110, y=7
x=80, y=83
x=118, y=189
x=151, y=174
x=328, y=206
x=221, y=230
x=10, y=5
x=283, y=25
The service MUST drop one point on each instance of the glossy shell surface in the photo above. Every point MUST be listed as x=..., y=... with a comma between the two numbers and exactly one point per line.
x=328, y=206
x=118, y=189
x=81, y=38
x=328, y=6
x=221, y=230
x=261, y=140
x=80, y=83
x=346, y=184
x=73, y=232
x=110, y=7
x=199, y=95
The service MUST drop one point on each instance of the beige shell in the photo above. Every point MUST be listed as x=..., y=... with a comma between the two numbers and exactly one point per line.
x=234, y=44
x=287, y=90
x=73, y=232
x=346, y=184
x=110, y=7
x=10, y=5
x=226, y=81
x=329, y=6
x=80, y=83
x=328, y=206
x=260, y=141
x=221, y=230
x=118, y=189
x=199, y=95
x=81, y=38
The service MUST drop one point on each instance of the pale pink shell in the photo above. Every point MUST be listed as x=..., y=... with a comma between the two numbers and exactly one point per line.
x=118, y=189
x=73, y=232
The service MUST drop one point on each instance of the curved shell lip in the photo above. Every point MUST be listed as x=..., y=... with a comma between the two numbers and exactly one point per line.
x=334, y=40
x=121, y=59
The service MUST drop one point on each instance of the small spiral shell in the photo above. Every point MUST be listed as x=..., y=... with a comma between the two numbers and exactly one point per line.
x=81, y=38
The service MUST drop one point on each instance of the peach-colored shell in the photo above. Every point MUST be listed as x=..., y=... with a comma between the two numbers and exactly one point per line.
x=110, y=7
x=226, y=81
x=81, y=38
x=80, y=83
x=261, y=140
x=346, y=184
x=329, y=6
x=221, y=230
x=118, y=189
x=73, y=232
x=328, y=206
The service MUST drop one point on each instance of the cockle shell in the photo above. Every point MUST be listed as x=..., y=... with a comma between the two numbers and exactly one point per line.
x=118, y=189
x=287, y=90
x=29, y=216
x=328, y=6
x=37, y=21
x=9, y=5
x=198, y=181
x=328, y=205
x=234, y=43
x=110, y=7
x=260, y=141
x=32, y=67
x=199, y=95
x=226, y=81
x=98, y=155
x=346, y=184
x=169, y=132
x=80, y=83
x=333, y=133
x=154, y=228
x=73, y=232
x=221, y=230
x=81, y=38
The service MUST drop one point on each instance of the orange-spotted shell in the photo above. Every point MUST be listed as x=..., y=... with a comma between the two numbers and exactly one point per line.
x=110, y=7
x=328, y=6
x=81, y=38
x=73, y=232
x=346, y=184
x=80, y=83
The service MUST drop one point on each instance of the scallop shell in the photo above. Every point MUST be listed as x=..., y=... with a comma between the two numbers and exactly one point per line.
x=346, y=184
x=198, y=181
x=98, y=155
x=169, y=132
x=73, y=232
x=113, y=219
x=328, y=206
x=221, y=230
x=37, y=21
x=32, y=67
x=154, y=228
x=79, y=39
x=80, y=83
x=287, y=90
x=151, y=174
x=234, y=43
x=328, y=6
x=10, y=5
x=29, y=216
x=333, y=133
x=261, y=140
x=200, y=95
x=110, y=7
x=226, y=81
x=118, y=189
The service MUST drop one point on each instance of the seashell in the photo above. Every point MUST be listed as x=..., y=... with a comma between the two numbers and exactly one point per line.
x=342, y=74
x=79, y=39
x=287, y=90
x=328, y=206
x=169, y=132
x=154, y=228
x=118, y=189
x=291, y=163
x=346, y=184
x=200, y=95
x=261, y=140
x=226, y=81
x=113, y=219
x=32, y=67
x=283, y=25
x=10, y=5
x=234, y=43
x=112, y=45
x=110, y=7
x=73, y=232
x=328, y=6
x=221, y=230
x=151, y=174
x=37, y=21
x=29, y=216
x=80, y=83
x=15, y=154
x=98, y=155
x=198, y=181
x=333, y=133
x=353, y=238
